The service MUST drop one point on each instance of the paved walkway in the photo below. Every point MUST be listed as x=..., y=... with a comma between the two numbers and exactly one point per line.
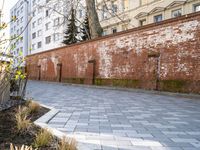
x=103, y=119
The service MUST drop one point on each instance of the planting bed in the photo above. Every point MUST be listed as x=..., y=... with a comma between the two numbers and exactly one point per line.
x=9, y=132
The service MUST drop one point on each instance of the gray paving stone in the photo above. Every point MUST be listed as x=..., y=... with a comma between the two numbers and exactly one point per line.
x=120, y=120
x=181, y=140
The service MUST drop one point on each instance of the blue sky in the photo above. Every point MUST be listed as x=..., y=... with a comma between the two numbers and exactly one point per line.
x=8, y=4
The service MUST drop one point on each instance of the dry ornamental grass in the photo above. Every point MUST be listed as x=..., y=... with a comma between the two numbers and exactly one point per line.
x=23, y=147
x=43, y=138
x=21, y=119
x=33, y=107
x=67, y=144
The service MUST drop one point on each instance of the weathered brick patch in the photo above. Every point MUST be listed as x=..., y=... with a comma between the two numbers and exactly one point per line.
x=164, y=56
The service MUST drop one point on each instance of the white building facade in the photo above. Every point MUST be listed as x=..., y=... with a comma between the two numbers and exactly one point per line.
x=120, y=15
x=49, y=21
x=19, y=29
x=4, y=35
x=40, y=25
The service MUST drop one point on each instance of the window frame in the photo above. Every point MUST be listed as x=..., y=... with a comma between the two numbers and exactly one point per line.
x=33, y=46
x=34, y=24
x=155, y=18
x=56, y=21
x=142, y=22
x=114, y=30
x=104, y=12
x=47, y=26
x=176, y=10
x=194, y=7
x=34, y=35
x=56, y=37
x=39, y=44
x=47, y=41
x=39, y=33
x=39, y=21
x=47, y=13
x=114, y=8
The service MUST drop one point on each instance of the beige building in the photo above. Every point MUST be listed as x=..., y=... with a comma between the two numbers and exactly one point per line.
x=119, y=15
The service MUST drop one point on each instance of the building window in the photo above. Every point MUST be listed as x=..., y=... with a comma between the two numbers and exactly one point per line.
x=33, y=47
x=104, y=14
x=47, y=26
x=48, y=39
x=56, y=37
x=124, y=27
x=21, y=29
x=80, y=13
x=196, y=7
x=39, y=33
x=34, y=2
x=55, y=6
x=18, y=13
x=34, y=24
x=176, y=13
x=22, y=9
x=39, y=44
x=114, y=8
x=33, y=35
x=125, y=4
x=17, y=22
x=105, y=32
x=34, y=13
x=142, y=22
x=56, y=21
x=21, y=3
x=47, y=13
x=39, y=21
x=21, y=19
x=114, y=30
x=158, y=18
x=17, y=51
x=144, y=2
x=39, y=10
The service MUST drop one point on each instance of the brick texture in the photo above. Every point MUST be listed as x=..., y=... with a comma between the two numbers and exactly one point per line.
x=163, y=56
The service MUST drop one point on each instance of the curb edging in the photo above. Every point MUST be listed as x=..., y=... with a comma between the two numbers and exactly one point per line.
x=42, y=121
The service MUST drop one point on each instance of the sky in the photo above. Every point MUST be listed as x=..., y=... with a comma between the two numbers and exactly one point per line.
x=8, y=4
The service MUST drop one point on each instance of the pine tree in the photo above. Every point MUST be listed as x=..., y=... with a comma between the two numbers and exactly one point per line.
x=85, y=30
x=72, y=30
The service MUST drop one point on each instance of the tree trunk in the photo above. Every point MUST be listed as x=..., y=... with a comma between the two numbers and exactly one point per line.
x=95, y=27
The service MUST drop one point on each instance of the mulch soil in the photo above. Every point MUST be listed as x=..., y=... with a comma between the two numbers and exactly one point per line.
x=9, y=133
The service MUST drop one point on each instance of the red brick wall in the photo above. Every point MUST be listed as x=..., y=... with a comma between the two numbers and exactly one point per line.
x=164, y=56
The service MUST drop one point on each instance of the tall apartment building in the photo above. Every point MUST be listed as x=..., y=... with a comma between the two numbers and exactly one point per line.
x=40, y=24
x=19, y=29
x=119, y=15
x=4, y=36
x=48, y=24
x=4, y=45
